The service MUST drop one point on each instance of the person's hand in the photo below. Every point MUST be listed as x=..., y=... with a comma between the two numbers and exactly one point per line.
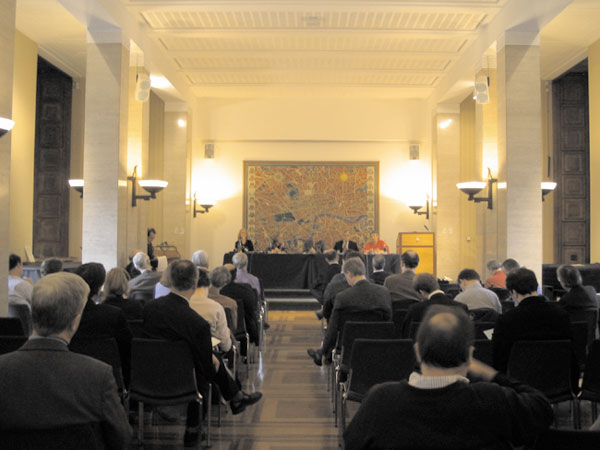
x=481, y=370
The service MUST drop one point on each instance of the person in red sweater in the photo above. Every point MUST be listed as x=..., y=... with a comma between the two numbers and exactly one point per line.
x=376, y=245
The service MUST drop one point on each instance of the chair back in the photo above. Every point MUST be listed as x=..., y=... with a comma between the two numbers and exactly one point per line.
x=137, y=328
x=11, y=343
x=507, y=305
x=375, y=361
x=142, y=296
x=398, y=317
x=579, y=331
x=484, y=351
x=102, y=349
x=11, y=326
x=359, y=316
x=503, y=294
x=481, y=327
x=545, y=365
x=74, y=437
x=162, y=372
x=414, y=327
x=590, y=388
x=483, y=315
x=400, y=302
x=553, y=439
x=590, y=317
x=365, y=330
x=23, y=313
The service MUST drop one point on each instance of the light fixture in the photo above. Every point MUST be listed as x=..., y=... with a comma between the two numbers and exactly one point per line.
x=474, y=187
x=77, y=184
x=151, y=186
x=5, y=126
x=206, y=205
x=416, y=209
x=445, y=124
x=547, y=187
x=181, y=123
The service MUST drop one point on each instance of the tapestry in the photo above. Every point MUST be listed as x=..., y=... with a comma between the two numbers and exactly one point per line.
x=304, y=200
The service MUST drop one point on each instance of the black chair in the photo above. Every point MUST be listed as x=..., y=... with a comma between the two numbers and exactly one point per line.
x=399, y=302
x=23, y=313
x=162, y=374
x=483, y=315
x=589, y=316
x=507, y=305
x=412, y=331
x=481, y=327
x=137, y=328
x=105, y=350
x=484, y=351
x=590, y=388
x=553, y=439
x=74, y=437
x=579, y=330
x=11, y=326
x=545, y=365
x=398, y=317
x=11, y=343
x=142, y=296
x=375, y=361
x=503, y=294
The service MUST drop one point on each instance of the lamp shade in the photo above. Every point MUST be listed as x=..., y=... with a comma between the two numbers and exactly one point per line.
x=471, y=187
x=153, y=186
x=548, y=186
x=5, y=125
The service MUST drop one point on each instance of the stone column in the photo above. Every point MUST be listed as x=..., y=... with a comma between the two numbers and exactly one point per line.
x=447, y=228
x=105, y=149
x=519, y=205
x=8, y=10
x=594, y=99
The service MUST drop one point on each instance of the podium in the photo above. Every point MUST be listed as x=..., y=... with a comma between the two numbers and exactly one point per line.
x=423, y=244
x=170, y=251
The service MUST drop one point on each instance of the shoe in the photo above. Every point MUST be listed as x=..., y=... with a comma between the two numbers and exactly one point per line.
x=315, y=355
x=240, y=405
x=266, y=326
x=319, y=314
x=191, y=437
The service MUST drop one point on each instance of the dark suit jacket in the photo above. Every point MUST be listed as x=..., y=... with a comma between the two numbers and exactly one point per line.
x=44, y=385
x=171, y=318
x=339, y=246
x=363, y=296
x=578, y=299
x=102, y=321
x=379, y=277
x=534, y=319
x=245, y=298
x=247, y=246
x=400, y=285
x=318, y=290
x=417, y=311
x=337, y=284
x=144, y=283
x=131, y=308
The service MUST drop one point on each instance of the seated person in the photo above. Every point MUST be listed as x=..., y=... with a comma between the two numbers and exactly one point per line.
x=379, y=274
x=219, y=277
x=243, y=244
x=247, y=302
x=130, y=268
x=115, y=294
x=277, y=245
x=313, y=245
x=497, y=278
x=577, y=297
x=337, y=284
x=376, y=245
x=46, y=386
x=163, y=287
x=400, y=285
x=19, y=288
x=240, y=261
x=473, y=294
x=440, y=408
x=333, y=268
x=200, y=260
x=345, y=244
x=51, y=265
x=142, y=287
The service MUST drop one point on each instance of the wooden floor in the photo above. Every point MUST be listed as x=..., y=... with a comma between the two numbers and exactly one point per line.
x=295, y=412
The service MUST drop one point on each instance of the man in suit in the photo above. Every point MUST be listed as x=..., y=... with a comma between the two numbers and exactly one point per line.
x=170, y=317
x=577, y=297
x=333, y=268
x=142, y=286
x=429, y=289
x=379, y=274
x=401, y=285
x=337, y=284
x=361, y=296
x=345, y=244
x=535, y=318
x=44, y=385
x=247, y=302
x=440, y=407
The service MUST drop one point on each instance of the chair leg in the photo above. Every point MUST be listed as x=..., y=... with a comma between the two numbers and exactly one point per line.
x=576, y=414
x=594, y=411
x=209, y=413
x=342, y=415
x=140, y=424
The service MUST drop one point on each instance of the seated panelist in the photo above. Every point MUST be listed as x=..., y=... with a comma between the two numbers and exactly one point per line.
x=277, y=245
x=243, y=244
x=376, y=245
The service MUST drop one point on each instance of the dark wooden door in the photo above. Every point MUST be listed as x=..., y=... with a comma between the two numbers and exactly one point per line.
x=571, y=156
x=52, y=162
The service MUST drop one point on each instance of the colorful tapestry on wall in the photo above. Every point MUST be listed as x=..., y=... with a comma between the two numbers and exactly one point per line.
x=304, y=200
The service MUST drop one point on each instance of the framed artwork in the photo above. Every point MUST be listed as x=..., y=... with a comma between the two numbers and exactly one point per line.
x=310, y=200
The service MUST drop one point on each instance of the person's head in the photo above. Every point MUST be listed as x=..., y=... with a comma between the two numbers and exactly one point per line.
x=568, y=276
x=243, y=234
x=493, y=265
x=331, y=256
x=425, y=284
x=15, y=267
x=378, y=262
x=346, y=236
x=409, y=260
x=203, y=280
x=57, y=303
x=141, y=261
x=467, y=277
x=374, y=237
x=240, y=260
x=352, y=254
x=232, y=271
x=219, y=277
x=151, y=234
x=509, y=265
x=93, y=274
x=51, y=265
x=354, y=270
x=200, y=258
x=133, y=253
x=184, y=275
x=445, y=338
x=116, y=282
x=521, y=283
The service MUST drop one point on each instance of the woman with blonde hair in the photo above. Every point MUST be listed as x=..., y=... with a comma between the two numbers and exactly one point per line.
x=115, y=294
x=243, y=244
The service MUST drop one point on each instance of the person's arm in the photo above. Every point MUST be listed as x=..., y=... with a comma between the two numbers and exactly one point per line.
x=328, y=299
x=222, y=331
x=364, y=425
x=251, y=315
x=115, y=426
x=249, y=245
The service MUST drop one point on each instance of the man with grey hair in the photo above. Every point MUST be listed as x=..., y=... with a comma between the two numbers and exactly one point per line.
x=219, y=277
x=362, y=296
x=46, y=386
x=240, y=261
x=200, y=259
x=51, y=265
x=142, y=287
x=401, y=285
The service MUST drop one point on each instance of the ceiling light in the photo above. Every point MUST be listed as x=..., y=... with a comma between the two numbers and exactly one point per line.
x=159, y=82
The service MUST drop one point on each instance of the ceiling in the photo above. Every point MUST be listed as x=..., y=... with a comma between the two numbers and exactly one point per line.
x=239, y=49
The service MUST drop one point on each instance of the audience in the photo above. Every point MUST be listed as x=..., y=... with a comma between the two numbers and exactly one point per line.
x=535, y=318
x=163, y=287
x=115, y=294
x=200, y=260
x=219, y=277
x=509, y=265
x=577, y=297
x=440, y=408
x=19, y=288
x=401, y=285
x=497, y=278
x=130, y=268
x=51, y=265
x=473, y=294
x=46, y=386
x=142, y=287
x=345, y=244
x=323, y=278
x=240, y=261
x=337, y=284
x=247, y=303
x=379, y=274
x=211, y=311
x=361, y=296
x=429, y=289
x=171, y=318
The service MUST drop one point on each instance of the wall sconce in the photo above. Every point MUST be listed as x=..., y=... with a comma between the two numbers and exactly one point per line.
x=474, y=187
x=151, y=186
x=206, y=205
x=77, y=184
x=416, y=209
x=5, y=126
x=547, y=187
